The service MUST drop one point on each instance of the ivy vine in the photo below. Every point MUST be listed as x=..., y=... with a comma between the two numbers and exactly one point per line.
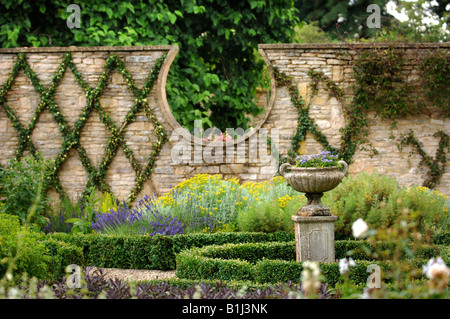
x=305, y=123
x=71, y=137
x=436, y=165
x=379, y=86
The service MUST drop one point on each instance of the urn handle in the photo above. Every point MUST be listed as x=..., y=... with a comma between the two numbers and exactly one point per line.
x=344, y=166
x=283, y=168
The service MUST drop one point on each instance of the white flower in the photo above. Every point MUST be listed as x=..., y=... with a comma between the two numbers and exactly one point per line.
x=436, y=267
x=313, y=268
x=360, y=228
x=310, y=277
x=366, y=294
x=345, y=264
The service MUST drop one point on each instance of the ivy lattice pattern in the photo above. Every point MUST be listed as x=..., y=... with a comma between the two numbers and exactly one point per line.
x=71, y=136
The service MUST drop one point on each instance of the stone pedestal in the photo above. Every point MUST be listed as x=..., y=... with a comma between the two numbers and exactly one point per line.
x=314, y=238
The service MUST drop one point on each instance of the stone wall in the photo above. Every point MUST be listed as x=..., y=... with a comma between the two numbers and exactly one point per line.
x=336, y=62
x=184, y=155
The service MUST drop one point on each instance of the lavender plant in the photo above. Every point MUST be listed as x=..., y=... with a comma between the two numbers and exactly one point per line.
x=164, y=225
x=144, y=218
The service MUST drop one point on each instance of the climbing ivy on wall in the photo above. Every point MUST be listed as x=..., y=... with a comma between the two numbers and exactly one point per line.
x=380, y=86
x=436, y=165
x=305, y=123
x=71, y=137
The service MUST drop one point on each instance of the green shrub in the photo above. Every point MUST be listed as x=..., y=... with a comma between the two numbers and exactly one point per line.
x=63, y=255
x=21, y=182
x=251, y=252
x=427, y=208
x=128, y=252
x=209, y=203
x=273, y=271
x=187, y=241
x=441, y=238
x=273, y=262
x=190, y=265
x=159, y=252
x=197, y=263
x=381, y=203
x=20, y=249
x=156, y=252
x=262, y=217
x=31, y=252
x=355, y=196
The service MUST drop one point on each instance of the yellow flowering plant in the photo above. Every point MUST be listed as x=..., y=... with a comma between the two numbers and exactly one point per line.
x=214, y=203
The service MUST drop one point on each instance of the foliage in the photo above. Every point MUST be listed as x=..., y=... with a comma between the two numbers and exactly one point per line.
x=436, y=166
x=309, y=33
x=275, y=262
x=21, y=183
x=399, y=251
x=434, y=69
x=403, y=245
x=24, y=250
x=268, y=207
x=203, y=202
x=152, y=252
x=187, y=241
x=378, y=75
x=350, y=16
x=70, y=216
x=380, y=86
x=427, y=21
x=427, y=208
x=268, y=262
x=215, y=71
x=264, y=217
x=379, y=200
x=324, y=159
x=97, y=286
x=142, y=219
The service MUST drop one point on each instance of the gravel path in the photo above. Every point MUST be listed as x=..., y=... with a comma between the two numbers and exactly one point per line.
x=135, y=274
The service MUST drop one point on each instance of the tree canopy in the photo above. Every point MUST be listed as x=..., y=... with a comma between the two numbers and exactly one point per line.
x=351, y=15
x=215, y=74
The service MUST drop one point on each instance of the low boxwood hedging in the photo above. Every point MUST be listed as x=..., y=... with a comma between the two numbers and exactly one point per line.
x=127, y=252
x=62, y=254
x=272, y=262
x=159, y=252
x=187, y=241
x=153, y=252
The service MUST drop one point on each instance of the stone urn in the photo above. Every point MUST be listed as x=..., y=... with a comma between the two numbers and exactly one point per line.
x=313, y=181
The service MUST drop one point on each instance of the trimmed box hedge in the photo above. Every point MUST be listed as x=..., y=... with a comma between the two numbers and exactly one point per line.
x=153, y=252
x=271, y=263
x=159, y=252
x=63, y=254
x=127, y=252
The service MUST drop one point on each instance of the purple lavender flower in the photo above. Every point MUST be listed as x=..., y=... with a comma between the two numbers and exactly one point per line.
x=115, y=218
x=165, y=225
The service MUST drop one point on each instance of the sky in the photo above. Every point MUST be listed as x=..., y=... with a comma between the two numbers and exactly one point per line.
x=391, y=8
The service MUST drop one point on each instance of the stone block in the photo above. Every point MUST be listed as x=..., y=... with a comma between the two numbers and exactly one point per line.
x=207, y=170
x=314, y=238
